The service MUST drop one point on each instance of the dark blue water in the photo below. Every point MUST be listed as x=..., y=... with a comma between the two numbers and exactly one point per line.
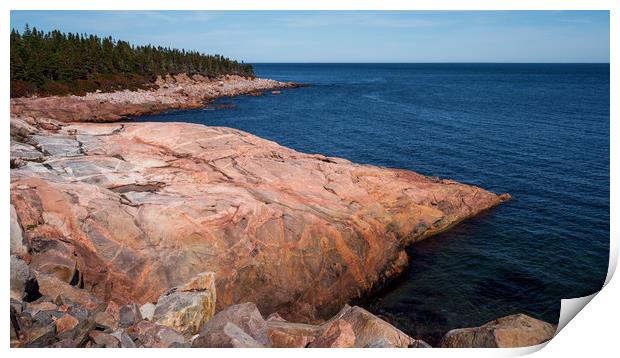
x=537, y=131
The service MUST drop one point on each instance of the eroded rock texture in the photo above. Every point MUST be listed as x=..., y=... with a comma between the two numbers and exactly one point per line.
x=125, y=211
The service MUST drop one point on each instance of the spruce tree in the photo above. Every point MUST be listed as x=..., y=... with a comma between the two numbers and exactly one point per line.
x=62, y=63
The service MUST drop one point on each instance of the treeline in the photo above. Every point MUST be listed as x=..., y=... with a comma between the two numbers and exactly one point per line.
x=56, y=63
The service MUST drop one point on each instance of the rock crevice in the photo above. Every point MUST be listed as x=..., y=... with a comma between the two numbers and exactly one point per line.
x=292, y=236
x=111, y=213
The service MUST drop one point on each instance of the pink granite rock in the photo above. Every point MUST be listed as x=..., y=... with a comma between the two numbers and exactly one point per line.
x=125, y=211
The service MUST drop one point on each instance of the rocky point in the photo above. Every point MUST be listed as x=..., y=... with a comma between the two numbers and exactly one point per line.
x=171, y=92
x=152, y=234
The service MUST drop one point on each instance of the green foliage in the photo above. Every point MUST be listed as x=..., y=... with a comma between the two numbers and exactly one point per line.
x=58, y=63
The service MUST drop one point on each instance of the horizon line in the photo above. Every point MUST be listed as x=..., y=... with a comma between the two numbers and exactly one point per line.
x=430, y=63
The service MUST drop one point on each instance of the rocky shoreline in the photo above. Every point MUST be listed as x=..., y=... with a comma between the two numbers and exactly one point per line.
x=185, y=317
x=172, y=92
x=111, y=222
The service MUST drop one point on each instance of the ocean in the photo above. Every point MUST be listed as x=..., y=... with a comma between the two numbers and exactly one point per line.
x=537, y=131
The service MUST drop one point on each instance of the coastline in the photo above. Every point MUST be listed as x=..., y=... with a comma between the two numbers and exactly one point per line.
x=348, y=226
x=171, y=92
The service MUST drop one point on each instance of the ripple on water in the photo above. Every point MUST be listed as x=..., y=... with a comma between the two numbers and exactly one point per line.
x=539, y=132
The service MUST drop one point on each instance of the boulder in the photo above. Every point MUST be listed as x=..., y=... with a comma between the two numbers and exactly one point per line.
x=371, y=331
x=104, y=340
x=65, y=324
x=124, y=339
x=381, y=342
x=78, y=312
x=244, y=317
x=21, y=277
x=337, y=334
x=517, y=330
x=51, y=286
x=129, y=315
x=46, y=317
x=40, y=306
x=229, y=336
x=114, y=310
x=105, y=321
x=17, y=240
x=147, y=311
x=284, y=334
x=418, y=343
x=151, y=335
x=188, y=307
x=40, y=336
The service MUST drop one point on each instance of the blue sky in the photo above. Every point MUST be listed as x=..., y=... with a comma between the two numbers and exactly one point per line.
x=351, y=36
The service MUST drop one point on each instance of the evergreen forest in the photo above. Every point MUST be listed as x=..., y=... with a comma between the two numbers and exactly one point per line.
x=57, y=63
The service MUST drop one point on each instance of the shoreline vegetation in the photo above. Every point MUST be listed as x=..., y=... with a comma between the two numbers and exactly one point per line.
x=57, y=63
x=183, y=235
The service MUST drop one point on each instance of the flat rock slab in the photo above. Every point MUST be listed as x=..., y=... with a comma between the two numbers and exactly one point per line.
x=25, y=151
x=58, y=145
x=142, y=207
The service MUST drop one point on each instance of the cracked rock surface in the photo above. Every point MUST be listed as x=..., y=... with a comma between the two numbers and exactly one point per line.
x=123, y=211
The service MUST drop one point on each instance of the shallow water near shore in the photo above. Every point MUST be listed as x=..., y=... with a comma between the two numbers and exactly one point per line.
x=537, y=131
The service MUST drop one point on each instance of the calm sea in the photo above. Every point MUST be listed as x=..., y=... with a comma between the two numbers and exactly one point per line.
x=537, y=131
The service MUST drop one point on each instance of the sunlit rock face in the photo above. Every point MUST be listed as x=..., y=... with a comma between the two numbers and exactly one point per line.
x=173, y=92
x=126, y=211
